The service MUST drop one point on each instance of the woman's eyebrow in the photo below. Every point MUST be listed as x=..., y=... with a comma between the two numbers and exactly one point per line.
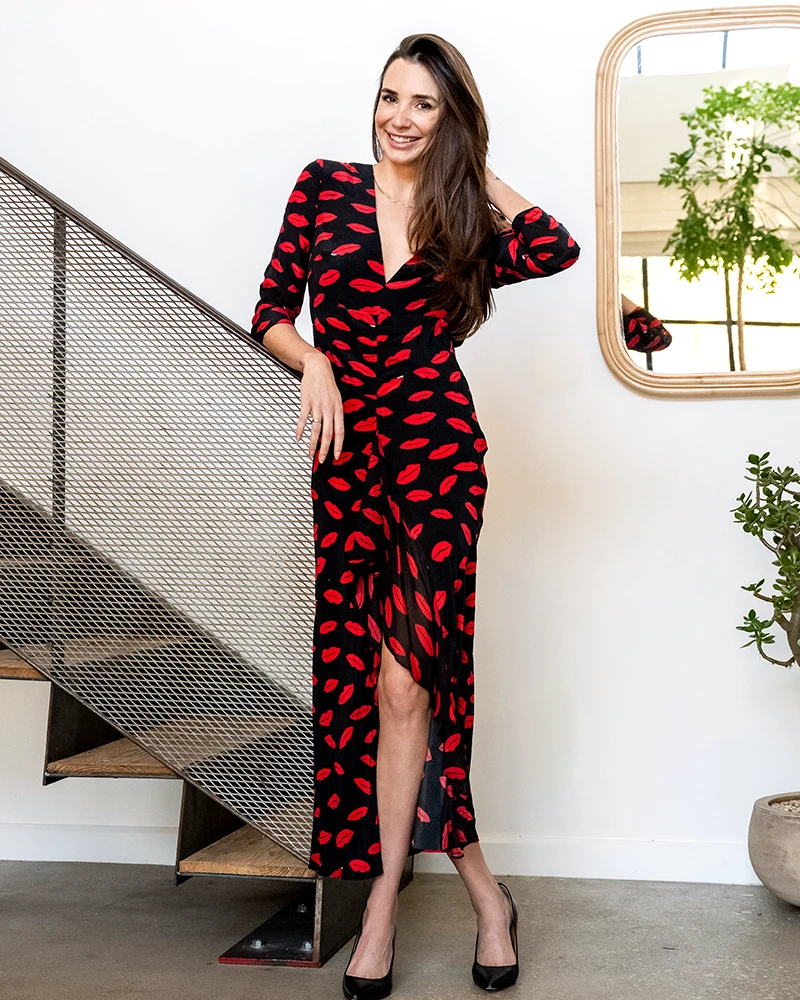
x=427, y=97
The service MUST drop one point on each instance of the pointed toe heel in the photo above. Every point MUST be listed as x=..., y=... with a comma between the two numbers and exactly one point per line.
x=498, y=977
x=363, y=988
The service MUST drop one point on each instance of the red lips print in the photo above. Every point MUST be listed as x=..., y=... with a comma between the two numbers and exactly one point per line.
x=396, y=519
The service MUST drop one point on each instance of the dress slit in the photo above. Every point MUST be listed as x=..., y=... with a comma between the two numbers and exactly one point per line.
x=420, y=618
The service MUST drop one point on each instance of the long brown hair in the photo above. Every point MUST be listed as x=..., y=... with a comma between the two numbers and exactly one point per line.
x=453, y=221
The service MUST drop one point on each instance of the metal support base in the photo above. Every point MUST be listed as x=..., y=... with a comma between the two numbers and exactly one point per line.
x=313, y=927
x=287, y=938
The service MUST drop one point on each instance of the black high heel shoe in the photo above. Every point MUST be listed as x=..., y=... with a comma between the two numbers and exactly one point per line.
x=361, y=987
x=497, y=977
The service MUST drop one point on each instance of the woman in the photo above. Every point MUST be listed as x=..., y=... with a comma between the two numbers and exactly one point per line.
x=398, y=480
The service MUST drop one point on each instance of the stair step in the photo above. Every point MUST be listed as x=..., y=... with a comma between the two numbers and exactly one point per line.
x=290, y=814
x=121, y=759
x=246, y=851
x=40, y=559
x=100, y=647
x=191, y=740
x=13, y=667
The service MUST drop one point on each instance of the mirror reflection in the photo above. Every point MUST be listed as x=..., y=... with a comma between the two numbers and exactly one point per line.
x=709, y=170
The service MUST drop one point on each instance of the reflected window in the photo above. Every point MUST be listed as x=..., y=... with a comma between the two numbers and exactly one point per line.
x=691, y=202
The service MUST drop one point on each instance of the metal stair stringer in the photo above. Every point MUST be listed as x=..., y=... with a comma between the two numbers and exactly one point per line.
x=156, y=557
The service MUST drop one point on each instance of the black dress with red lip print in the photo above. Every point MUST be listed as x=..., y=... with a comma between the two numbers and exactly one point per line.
x=398, y=514
x=644, y=332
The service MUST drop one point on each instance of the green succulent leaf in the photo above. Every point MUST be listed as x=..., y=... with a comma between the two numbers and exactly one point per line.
x=771, y=513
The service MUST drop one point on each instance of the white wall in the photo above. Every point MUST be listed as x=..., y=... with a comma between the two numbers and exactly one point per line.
x=621, y=731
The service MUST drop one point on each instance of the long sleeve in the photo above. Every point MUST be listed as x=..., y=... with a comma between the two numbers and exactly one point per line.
x=286, y=276
x=644, y=332
x=535, y=246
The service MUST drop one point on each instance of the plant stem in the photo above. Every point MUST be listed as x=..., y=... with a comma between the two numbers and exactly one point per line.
x=739, y=316
x=778, y=663
x=793, y=635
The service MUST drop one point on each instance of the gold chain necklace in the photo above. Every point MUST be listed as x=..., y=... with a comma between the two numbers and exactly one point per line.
x=401, y=203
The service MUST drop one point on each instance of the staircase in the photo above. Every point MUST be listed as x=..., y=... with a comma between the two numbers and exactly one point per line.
x=156, y=557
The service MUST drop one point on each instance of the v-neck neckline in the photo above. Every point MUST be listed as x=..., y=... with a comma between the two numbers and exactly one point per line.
x=386, y=281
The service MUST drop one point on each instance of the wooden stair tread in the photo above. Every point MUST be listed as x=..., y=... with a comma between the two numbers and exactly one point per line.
x=290, y=813
x=13, y=667
x=246, y=851
x=195, y=743
x=40, y=560
x=121, y=758
x=87, y=648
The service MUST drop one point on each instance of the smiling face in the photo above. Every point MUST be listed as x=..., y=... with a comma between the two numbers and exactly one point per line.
x=409, y=106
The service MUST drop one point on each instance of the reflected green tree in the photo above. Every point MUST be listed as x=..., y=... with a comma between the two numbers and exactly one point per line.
x=730, y=224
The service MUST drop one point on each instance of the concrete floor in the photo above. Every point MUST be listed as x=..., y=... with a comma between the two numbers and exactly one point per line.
x=92, y=931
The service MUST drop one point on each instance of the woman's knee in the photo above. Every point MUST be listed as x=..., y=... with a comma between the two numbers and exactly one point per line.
x=398, y=692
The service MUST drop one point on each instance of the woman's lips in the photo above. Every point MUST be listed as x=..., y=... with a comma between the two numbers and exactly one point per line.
x=404, y=141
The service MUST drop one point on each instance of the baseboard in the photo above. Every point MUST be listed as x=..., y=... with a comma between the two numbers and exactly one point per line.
x=721, y=862
x=136, y=845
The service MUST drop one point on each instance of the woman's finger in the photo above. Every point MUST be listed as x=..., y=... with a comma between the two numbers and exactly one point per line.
x=338, y=433
x=305, y=407
x=315, y=430
x=327, y=434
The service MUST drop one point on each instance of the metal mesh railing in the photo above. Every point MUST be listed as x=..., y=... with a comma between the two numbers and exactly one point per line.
x=156, y=556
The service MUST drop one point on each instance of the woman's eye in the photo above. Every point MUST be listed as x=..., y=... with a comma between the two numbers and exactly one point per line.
x=422, y=104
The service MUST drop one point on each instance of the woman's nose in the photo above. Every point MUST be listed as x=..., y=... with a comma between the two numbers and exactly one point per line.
x=401, y=117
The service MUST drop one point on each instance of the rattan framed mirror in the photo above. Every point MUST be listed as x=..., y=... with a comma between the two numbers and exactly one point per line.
x=679, y=96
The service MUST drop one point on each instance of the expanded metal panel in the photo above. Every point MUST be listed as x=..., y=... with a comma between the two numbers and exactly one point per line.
x=156, y=555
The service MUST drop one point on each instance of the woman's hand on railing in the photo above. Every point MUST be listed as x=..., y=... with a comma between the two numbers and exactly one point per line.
x=320, y=398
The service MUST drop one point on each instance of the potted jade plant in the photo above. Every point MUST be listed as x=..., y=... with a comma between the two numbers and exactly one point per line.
x=771, y=512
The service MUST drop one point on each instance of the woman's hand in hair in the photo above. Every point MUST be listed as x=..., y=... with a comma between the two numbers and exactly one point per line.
x=491, y=178
x=504, y=198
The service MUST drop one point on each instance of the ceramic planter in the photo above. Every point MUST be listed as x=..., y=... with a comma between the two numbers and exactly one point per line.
x=773, y=842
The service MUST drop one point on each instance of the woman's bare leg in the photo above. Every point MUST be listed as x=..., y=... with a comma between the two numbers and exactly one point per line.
x=404, y=709
x=491, y=905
